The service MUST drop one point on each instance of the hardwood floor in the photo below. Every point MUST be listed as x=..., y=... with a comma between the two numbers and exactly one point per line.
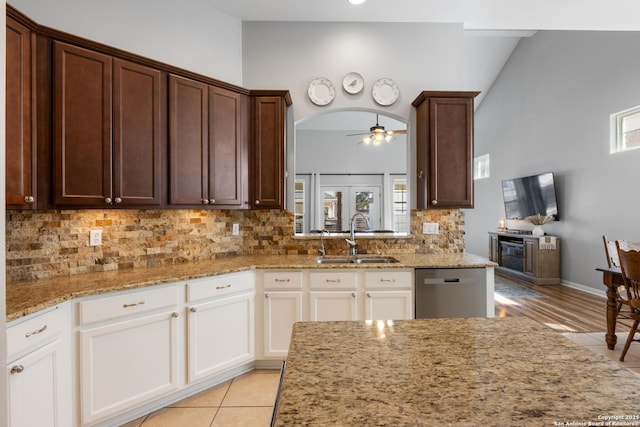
x=564, y=309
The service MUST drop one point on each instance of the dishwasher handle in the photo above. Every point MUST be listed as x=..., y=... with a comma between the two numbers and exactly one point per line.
x=451, y=280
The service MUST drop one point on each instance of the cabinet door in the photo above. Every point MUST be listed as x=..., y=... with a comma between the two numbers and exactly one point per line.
x=82, y=126
x=445, y=149
x=127, y=363
x=268, y=145
x=281, y=311
x=220, y=335
x=137, y=134
x=188, y=142
x=37, y=394
x=388, y=305
x=20, y=151
x=228, y=148
x=530, y=256
x=336, y=305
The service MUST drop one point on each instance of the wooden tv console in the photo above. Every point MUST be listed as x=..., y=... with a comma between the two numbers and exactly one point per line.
x=526, y=257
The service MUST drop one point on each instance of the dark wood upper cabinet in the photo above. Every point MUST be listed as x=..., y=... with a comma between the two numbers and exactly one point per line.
x=444, y=149
x=107, y=130
x=228, y=148
x=208, y=142
x=268, y=145
x=21, y=158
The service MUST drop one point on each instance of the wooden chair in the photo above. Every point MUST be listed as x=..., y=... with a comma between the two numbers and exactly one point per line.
x=629, y=256
x=611, y=252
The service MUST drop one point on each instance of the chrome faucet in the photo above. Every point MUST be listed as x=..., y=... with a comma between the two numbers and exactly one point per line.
x=352, y=240
x=322, y=249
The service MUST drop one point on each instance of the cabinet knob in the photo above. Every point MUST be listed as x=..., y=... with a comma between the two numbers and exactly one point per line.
x=193, y=309
x=17, y=369
x=257, y=202
x=29, y=199
x=205, y=201
x=368, y=295
x=353, y=294
x=174, y=315
x=420, y=174
x=434, y=202
x=118, y=200
x=212, y=201
x=266, y=295
x=107, y=200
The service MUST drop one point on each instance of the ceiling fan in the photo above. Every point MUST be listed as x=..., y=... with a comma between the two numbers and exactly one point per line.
x=378, y=134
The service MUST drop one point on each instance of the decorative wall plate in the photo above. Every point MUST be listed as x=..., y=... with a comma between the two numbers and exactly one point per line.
x=385, y=91
x=321, y=91
x=353, y=83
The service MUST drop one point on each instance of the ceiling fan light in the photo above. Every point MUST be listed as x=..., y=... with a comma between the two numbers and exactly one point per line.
x=367, y=140
x=388, y=137
x=378, y=137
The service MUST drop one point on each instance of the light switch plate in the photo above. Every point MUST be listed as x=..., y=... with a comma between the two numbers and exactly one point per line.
x=95, y=237
x=236, y=229
x=430, y=228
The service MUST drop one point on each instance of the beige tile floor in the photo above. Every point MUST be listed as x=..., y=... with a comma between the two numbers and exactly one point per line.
x=596, y=343
x=246, y=400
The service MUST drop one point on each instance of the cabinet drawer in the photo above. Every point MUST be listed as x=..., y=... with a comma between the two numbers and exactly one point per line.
x=212, y=287
x=333, y=280
x=37, y=330
x=387, y=279
x=126, y=304
x=282, y=280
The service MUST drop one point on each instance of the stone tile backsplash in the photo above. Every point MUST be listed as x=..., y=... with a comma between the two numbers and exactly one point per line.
x=43, y=244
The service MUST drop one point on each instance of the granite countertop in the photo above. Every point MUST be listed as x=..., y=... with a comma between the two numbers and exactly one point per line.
x=463, y=372
x=24, y=298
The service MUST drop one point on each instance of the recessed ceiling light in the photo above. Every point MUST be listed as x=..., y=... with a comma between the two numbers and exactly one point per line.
x=357, y=1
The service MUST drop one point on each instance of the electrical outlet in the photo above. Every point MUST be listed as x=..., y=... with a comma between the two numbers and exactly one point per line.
x=430, y=228
x=95, y=237
x=236, y=229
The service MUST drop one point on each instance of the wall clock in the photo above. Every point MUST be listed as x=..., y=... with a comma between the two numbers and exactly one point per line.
x=321, y=91
x=385, y=91
x=353, y=83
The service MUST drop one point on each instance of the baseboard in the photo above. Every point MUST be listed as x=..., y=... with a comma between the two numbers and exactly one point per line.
x=588, y=289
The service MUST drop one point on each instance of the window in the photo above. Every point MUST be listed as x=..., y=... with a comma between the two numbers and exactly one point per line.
x=625, y=130
x=400, y=217
x=481, y=167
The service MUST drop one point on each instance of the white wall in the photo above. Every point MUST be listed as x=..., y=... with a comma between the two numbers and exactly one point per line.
x=289, y=55
x=549, y=111
x=189, y=34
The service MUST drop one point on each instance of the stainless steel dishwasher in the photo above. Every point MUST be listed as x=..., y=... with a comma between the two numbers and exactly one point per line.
x=451, y=292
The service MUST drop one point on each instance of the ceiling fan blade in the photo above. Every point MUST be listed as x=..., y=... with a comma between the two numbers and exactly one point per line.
x=397, y=132
x=357, y=134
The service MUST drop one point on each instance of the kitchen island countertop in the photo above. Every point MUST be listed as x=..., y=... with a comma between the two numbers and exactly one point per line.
x=24, y=298
x=460, y=372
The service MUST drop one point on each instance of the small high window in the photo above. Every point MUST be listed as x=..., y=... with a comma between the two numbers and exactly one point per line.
x=481, y=167
x=625, y=130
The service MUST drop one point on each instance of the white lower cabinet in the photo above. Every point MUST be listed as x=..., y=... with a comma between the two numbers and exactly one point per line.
x=129, y=359
x=39, y=371
x=388, y=305
x=333, y=305
x=282, y=306
x=220, y=330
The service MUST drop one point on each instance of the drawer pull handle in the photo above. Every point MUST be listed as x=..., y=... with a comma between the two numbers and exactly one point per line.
x=333, y=280
x=17, y=369
x=36, y=332
x=283, y=280
x=133, y=305
x=174, y=315
x=388, y=280
x=223, y=287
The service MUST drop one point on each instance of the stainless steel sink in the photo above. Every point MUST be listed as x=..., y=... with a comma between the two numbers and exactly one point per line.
x=358, y=259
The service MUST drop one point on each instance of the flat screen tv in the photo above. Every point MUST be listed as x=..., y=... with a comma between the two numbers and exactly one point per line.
x=530, y=195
